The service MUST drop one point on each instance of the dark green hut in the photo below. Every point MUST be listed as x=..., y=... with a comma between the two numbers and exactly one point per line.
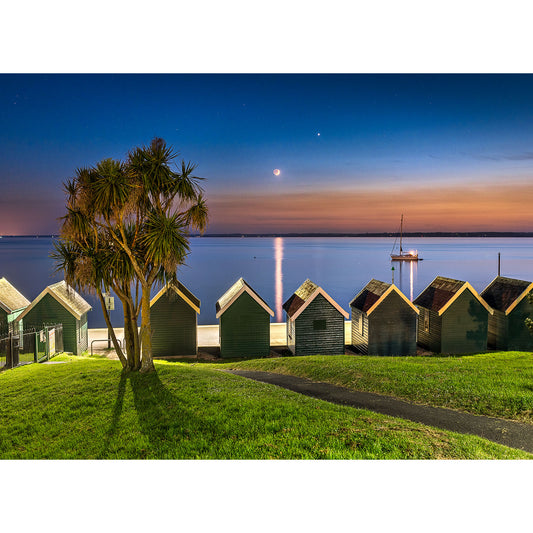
x=509, y=300
x=12, y=303
x=60, y=304
x=174, y=314
x=315, y=322
x=244, y=322
x=383, y=321
x=453, y=317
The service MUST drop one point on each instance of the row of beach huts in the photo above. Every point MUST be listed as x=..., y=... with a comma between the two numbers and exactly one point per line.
x=449, y=316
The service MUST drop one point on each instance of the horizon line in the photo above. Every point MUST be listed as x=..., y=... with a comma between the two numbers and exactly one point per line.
x=334, y=234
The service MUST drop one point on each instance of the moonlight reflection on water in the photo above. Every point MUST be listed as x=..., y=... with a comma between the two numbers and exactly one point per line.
x=278, y=258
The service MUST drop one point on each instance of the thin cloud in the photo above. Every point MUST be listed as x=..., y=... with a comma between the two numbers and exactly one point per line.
x=523, y=156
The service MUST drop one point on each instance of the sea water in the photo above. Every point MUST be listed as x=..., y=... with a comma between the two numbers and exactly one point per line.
x=275, y=267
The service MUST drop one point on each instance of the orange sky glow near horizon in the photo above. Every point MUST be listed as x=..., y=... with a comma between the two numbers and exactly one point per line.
x=454, y=208
x=471, y=207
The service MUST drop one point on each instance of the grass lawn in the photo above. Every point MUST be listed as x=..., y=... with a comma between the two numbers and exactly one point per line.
x=497, y=384
x=85, y=408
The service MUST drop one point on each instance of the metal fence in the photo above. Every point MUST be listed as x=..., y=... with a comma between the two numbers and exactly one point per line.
x=31, y=346
x=3, y=351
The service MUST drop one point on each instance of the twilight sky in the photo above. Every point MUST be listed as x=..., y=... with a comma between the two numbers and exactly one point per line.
x=451, y=152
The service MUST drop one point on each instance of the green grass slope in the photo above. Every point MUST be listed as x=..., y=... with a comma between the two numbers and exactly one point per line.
x=85, y=408
x=497, y=384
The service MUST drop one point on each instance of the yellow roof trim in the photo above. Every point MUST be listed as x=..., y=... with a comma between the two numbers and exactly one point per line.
x=397, y=291
x=316, y=292
x=465, y=287
x=32, y=305
x=527, y=290
x=244, y=288
x=177, y=291
x=40, y=297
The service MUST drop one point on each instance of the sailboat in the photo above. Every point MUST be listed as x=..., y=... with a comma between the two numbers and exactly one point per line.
x=412, y=255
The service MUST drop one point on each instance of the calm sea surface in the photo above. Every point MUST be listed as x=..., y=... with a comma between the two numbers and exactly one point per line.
x=275, y=267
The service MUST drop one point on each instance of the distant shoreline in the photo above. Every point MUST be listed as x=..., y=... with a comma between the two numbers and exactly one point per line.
x=388, y=234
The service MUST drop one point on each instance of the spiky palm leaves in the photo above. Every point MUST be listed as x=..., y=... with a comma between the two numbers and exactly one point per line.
x=129, y=222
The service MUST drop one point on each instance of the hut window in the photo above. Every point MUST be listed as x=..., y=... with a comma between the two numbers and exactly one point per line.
x=319, y=324
x=426, y=320
x=361, y=324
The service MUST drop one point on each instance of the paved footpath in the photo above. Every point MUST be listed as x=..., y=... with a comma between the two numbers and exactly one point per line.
x=209, y=335
x=507, y=432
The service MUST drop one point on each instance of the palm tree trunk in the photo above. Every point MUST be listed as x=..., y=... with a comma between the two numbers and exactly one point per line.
x=136, y=341
x=134, y=338
x=128, y=336
x=111, y=331
x=147, y=364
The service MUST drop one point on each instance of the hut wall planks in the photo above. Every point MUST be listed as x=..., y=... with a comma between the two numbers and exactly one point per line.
x=319, y=329
x=245, y=329
x=465, y=326
x=359, y=338
x=519, y=336
x=430, y=339
x=498, y=335
x=392, y=327
x=174, y=324
x=49, y=311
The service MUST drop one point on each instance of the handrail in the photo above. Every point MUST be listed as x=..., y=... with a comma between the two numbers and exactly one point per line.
x=104, y=340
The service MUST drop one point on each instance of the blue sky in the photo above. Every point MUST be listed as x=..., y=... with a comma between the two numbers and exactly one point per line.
x=388, y=144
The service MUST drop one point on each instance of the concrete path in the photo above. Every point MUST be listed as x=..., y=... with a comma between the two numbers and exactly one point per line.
x=208, y=336
x=507, y=432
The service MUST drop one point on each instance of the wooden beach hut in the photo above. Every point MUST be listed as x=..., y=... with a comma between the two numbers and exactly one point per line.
x=12, y=303
x=315, y=322
x=174, y=314
x=60, y=304
x=509, y=299
x=453, y=317
x=384, y=321
x=244, y=322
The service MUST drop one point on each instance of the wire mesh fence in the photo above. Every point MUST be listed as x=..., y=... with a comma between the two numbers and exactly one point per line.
x=27, y=348
x=31, y=346
x=3, y=351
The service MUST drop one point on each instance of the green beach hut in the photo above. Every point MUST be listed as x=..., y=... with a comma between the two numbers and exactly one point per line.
x=315, y=322
x=509, y=299
x=174, y=314
x=60, y=304
x=244, y=322
x=384, y=321
x=453, y=317
x=12, y=303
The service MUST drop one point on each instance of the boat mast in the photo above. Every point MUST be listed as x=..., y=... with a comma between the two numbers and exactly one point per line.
x=401, y=232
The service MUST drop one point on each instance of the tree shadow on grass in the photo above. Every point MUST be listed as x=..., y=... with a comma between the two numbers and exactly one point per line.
x=169, y=423
x=117, y=411
x=174, y=426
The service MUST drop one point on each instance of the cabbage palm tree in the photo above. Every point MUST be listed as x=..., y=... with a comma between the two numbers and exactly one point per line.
x=84, y=270
x=143, y=210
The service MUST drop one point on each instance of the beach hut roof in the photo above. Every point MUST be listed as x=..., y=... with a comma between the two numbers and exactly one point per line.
x=66, y=296
x=231, y=295
x=10, y=299
x=369, y=295
x=442, y=292
x=504, y=294
x=375, y=292
x=182, y=291
x=304, y=295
